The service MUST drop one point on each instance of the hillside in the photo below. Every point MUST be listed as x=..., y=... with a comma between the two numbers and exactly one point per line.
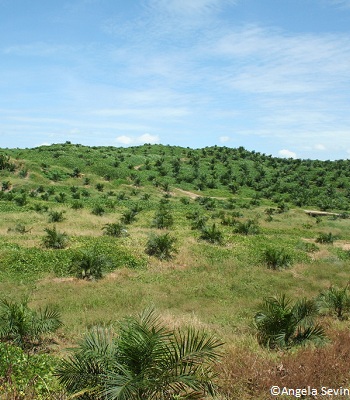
x=238, y=233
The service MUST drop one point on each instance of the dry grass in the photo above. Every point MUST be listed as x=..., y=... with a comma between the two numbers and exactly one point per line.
x=249, y=373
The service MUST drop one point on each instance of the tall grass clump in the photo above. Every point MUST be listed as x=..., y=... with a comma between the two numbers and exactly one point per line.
x=54, y=239
x=335, y=301
x=114, y=229
x=325, y=238
x=161, y=246
x=277, y=258
x=89, y=264
x=212, y=234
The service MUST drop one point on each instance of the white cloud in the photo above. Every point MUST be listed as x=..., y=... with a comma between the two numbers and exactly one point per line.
x=124, y=139
x=320, y=147
x=147, y=138
x=224, y=139
x=136, y=140
x=287, y=153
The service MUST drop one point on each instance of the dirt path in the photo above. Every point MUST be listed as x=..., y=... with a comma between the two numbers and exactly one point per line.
x=195, y=195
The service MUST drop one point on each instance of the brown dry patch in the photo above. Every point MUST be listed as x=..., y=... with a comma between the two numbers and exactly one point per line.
x=57, y=280
x=187, y=193
x=245, y=374
x=342, y=244
x=195, y=195
x=120, y=274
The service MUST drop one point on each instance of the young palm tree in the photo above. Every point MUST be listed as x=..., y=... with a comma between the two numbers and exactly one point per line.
x=161, y=246
x=281, y=324
x=144, y=361
x=335, y=300
x=23, y=326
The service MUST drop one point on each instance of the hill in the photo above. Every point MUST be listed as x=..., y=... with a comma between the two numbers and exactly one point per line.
x=204, y=235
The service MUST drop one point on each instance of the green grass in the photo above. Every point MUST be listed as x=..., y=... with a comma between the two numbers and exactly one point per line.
x=216, y=286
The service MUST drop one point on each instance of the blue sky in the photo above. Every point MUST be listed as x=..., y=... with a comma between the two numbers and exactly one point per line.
x=270, y=75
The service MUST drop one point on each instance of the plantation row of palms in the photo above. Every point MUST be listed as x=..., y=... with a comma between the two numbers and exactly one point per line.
x=207, y=235
x=301, y=182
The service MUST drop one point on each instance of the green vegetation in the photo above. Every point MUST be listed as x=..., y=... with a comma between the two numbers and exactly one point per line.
x=90, y=264
x=161, y=246
x=277, y=258
x=54, y=239
x=143, y=360
x=281, y=324
x=25, y=327
x=210, y=233
x=335, y=300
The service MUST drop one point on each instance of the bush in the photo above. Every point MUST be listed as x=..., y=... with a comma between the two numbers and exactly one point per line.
x=277, y=258
x=281, y=324
x=114, y=229
x=23, y=377
x=249, y=227
x=161, y=246
x=163, y=218
x=89, y=264
x=335, y=300
x=325, y=238
x=56, y=216
x=128, y=216
x=54, y=239
x=145, y=360
x=212, y=235
x=77, y=205
x=98, y=210
x=23, y=326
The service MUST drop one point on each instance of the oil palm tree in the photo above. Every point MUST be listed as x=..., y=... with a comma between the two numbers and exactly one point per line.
x=145, y=360
x=23, y=326
x=335, y=300
x=281, y=324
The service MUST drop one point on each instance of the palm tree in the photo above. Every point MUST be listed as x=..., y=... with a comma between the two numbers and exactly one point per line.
x=23, y=326
x=335, y=300
x=144, y=361
x=281, y=324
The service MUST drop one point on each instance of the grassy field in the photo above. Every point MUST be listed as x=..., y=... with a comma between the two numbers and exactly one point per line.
x=216, y=287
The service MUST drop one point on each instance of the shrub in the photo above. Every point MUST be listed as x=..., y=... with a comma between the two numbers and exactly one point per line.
x=325, y=238
x=143, y=360
x=335, y=300
x=98, y=210
x=56, y=216
x=277, y=258
x=77, y=205
x=23, y=377
x=54, y=239
x=163, y=218
x=114, y=229
x=281, y=324
x=249, y=227
x=161, y=246
x=89, y=264
x=212, y=234
x=128, y=216
x=23, y=326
